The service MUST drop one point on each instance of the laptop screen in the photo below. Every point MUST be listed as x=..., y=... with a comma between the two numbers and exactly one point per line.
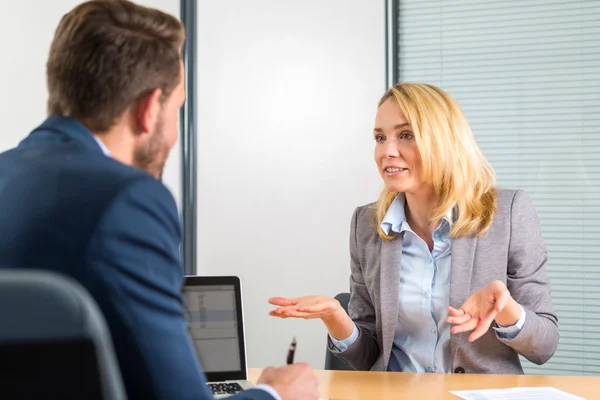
x=215, y=324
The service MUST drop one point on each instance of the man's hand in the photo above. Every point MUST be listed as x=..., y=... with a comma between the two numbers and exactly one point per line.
x=490, y=303
x=292, y=382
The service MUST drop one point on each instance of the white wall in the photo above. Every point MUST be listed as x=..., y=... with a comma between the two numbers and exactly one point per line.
x=26, y=31
x=287, y=99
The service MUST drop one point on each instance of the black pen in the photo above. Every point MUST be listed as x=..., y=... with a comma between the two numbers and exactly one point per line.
x=291, y=352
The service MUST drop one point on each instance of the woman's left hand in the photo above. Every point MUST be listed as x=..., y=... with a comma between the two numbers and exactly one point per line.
x=490, y=303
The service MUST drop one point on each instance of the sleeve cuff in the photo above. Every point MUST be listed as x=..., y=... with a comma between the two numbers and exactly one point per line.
x=269, y=389
x=342, y=345
x=510, y=332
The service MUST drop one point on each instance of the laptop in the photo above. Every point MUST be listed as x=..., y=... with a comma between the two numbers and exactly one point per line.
x=216, y=324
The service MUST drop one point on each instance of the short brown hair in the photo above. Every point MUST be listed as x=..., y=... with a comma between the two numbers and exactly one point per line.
x=105, y=55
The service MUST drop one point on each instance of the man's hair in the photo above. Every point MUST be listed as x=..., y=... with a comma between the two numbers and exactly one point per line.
x=107, y=54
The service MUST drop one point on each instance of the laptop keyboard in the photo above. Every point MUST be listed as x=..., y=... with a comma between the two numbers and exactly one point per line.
x=225, y=388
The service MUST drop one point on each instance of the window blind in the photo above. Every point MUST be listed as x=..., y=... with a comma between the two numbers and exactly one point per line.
x=527, y=75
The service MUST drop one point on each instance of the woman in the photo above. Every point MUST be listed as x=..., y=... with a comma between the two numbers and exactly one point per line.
x=448, y=273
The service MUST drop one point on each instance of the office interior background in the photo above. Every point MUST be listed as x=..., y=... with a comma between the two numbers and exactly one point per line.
x=286, y=98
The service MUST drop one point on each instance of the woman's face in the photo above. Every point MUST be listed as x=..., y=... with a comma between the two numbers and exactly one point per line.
x=396, y=153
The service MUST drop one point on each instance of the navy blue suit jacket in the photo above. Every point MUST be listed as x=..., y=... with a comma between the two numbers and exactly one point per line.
x=67, y=207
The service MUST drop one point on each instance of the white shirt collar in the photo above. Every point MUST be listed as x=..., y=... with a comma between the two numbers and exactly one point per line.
x=102, y=146
x=395, y=217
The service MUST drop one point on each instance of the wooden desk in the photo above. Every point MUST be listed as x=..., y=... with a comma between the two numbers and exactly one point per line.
x=350, y=385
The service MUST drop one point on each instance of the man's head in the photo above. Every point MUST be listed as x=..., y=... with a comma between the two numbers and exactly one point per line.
x=116, y=67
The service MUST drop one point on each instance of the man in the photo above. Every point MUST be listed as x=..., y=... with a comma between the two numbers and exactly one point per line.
x=82, y=194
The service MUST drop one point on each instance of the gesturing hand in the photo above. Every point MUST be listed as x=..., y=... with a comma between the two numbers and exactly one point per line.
x=490, y=303
x=306, y=307
x=329, y=310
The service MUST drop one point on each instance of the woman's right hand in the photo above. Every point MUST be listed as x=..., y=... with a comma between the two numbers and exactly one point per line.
x=329, y=310
x=307, y=307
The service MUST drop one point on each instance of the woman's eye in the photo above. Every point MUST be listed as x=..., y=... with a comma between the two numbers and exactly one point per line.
x=406, y=135
x=379, y=138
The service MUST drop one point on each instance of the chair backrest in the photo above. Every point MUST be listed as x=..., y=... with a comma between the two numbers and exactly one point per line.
x=332, y=362
x=54, y=342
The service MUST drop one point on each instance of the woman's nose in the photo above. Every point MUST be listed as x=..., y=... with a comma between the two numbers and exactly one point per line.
x=390, y=149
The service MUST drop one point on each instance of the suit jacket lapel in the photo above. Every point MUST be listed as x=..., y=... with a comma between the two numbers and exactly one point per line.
x=463, y=255
x=461, y=271
x=391, y=257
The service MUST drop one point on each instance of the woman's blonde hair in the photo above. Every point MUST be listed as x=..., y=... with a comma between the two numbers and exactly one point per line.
x=452, y=162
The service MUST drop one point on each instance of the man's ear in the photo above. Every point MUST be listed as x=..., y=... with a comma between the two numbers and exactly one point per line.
x=147, y=110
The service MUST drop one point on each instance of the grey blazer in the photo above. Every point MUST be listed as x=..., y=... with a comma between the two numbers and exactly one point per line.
x=512, y=251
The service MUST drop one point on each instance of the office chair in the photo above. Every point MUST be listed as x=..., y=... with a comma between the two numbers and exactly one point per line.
x=331, y=361
x=54, y=342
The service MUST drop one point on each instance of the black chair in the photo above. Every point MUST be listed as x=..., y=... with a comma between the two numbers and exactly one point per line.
x=332, y=362
x=54, y=342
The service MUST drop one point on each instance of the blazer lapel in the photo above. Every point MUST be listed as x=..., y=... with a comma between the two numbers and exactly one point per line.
x=463, y=255
x=391, y=256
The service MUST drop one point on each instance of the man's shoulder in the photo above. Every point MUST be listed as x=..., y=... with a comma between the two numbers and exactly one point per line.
x=66, y=164
x=100, y=177
x=105, y=182
x=77, y=187
x=146, y=194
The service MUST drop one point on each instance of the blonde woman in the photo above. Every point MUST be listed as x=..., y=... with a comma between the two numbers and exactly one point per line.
x=448, y=273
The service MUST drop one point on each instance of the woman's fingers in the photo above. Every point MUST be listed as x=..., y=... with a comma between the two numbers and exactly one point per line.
x=283, y=310
x=312, y=308
x=305, y=315
x=296, y=312
x=456, y=312
x=453, y=311
x=282, y=301
x=482, y=327
x=458, y=320
x=276, y=313
x=303, y=307
x=465, y=327
x=284, y=314
x=323, y=305
x=293, y=313
x=502, y=301
x=488, y=319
